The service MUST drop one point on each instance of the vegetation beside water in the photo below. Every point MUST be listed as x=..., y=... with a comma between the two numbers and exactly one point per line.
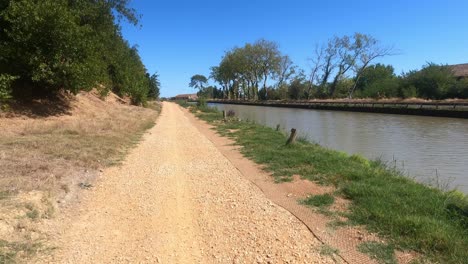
x=410, y=215
x=344, y=67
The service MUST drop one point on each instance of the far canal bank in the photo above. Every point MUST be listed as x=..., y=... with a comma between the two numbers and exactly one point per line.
x=455, y=109
x=432, y=149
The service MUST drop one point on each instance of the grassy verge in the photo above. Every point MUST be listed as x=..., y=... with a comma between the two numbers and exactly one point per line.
x=409, y=215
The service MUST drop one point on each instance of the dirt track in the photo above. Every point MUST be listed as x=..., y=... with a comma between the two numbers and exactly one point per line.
x=177, y=199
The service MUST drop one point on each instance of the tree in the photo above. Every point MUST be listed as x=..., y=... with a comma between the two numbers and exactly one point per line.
x=432, y=81
x=369, y=50
x=285, y=70
x=54, y=45
x=154, y=86
x=297, y=89
x=241, y=70
x=268, y=59
x=198, y=81
x=317, y=64
x=377, y=81
x=342, y=55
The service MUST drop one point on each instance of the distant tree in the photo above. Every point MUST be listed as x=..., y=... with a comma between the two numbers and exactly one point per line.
x=198, y=81
x=268, y=59
x=297, y=89
x=377, y=81
x=317, y=65
x=369, y=50
x=432, y=81
x=242, y=70
x=341, y=55
x=286, y=70
x=210, y=92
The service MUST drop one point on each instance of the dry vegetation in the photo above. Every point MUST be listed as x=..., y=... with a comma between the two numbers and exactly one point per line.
x=46, y=157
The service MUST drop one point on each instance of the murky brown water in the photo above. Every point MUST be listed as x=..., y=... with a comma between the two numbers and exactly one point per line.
x=431, y=149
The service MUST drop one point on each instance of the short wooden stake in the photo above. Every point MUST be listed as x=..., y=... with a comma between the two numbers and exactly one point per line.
x=277, y=127
x=292, y=137
x=224, y=114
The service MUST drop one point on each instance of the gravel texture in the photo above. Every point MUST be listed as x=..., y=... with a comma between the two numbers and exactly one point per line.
x=177, y=199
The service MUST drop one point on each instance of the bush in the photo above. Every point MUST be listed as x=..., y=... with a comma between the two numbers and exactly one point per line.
x=201, y=102
x=432, y=82
x=409, y=92
x=5, y=86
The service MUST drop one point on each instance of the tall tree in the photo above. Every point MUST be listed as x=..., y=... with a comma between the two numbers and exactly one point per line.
x=269, y=59
x=369, y=51
x=286, y=70
x=343, y=55
x=198, y=81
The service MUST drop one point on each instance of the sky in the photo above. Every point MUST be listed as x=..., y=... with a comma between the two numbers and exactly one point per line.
x=181, y=38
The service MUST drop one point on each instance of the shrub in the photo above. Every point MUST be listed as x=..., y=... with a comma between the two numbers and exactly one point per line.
x=5, y=86
x=201, y=102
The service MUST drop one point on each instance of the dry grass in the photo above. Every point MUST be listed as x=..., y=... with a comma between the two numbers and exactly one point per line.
x=45, y=159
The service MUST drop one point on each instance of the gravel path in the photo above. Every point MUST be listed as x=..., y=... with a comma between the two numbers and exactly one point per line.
x=177, y=199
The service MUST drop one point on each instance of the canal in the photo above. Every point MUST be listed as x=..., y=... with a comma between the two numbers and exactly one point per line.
x=433, y=150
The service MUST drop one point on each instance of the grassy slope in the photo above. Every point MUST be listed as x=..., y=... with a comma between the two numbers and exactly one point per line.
x=43, y=158
x=411, y=215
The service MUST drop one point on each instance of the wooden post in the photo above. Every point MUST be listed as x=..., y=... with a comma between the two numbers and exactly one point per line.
x=277, y=127
x=224, y=114
x=292, y=137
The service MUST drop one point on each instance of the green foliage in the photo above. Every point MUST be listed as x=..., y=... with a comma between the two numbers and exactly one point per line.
x=201, y=102
x=409, y=92
x=54, y=45
x=5, y=86
x=410, y=215
x=242, y=71
x=154, y=86
x=210, y=92
x=432, y=81
x=377, y=81
x=321, y=200
x=297, y=89
x=340, y=69
x=198, y=81
x=183, y=103
x=384, y=254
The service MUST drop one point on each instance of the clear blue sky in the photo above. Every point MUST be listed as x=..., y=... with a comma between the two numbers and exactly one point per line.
x=180, y=38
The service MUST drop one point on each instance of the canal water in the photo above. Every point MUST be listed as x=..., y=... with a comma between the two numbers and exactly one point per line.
x=433, y=150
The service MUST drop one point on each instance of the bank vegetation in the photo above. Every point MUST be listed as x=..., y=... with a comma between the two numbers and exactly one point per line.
x=344, y=67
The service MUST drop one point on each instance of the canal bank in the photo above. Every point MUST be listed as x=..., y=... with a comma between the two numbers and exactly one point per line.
x=410, y=215
x=433, y=150
x=440, y=109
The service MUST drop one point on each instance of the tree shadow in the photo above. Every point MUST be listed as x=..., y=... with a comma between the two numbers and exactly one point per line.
x=40, y=107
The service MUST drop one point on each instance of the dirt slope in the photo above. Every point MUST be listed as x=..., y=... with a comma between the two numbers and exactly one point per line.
x=177, y=199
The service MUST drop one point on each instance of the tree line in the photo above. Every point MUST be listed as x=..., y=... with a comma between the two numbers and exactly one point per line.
x=344, y=67
x=73, y=45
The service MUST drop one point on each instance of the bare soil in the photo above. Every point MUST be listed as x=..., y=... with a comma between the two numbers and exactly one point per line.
x=177, y=199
